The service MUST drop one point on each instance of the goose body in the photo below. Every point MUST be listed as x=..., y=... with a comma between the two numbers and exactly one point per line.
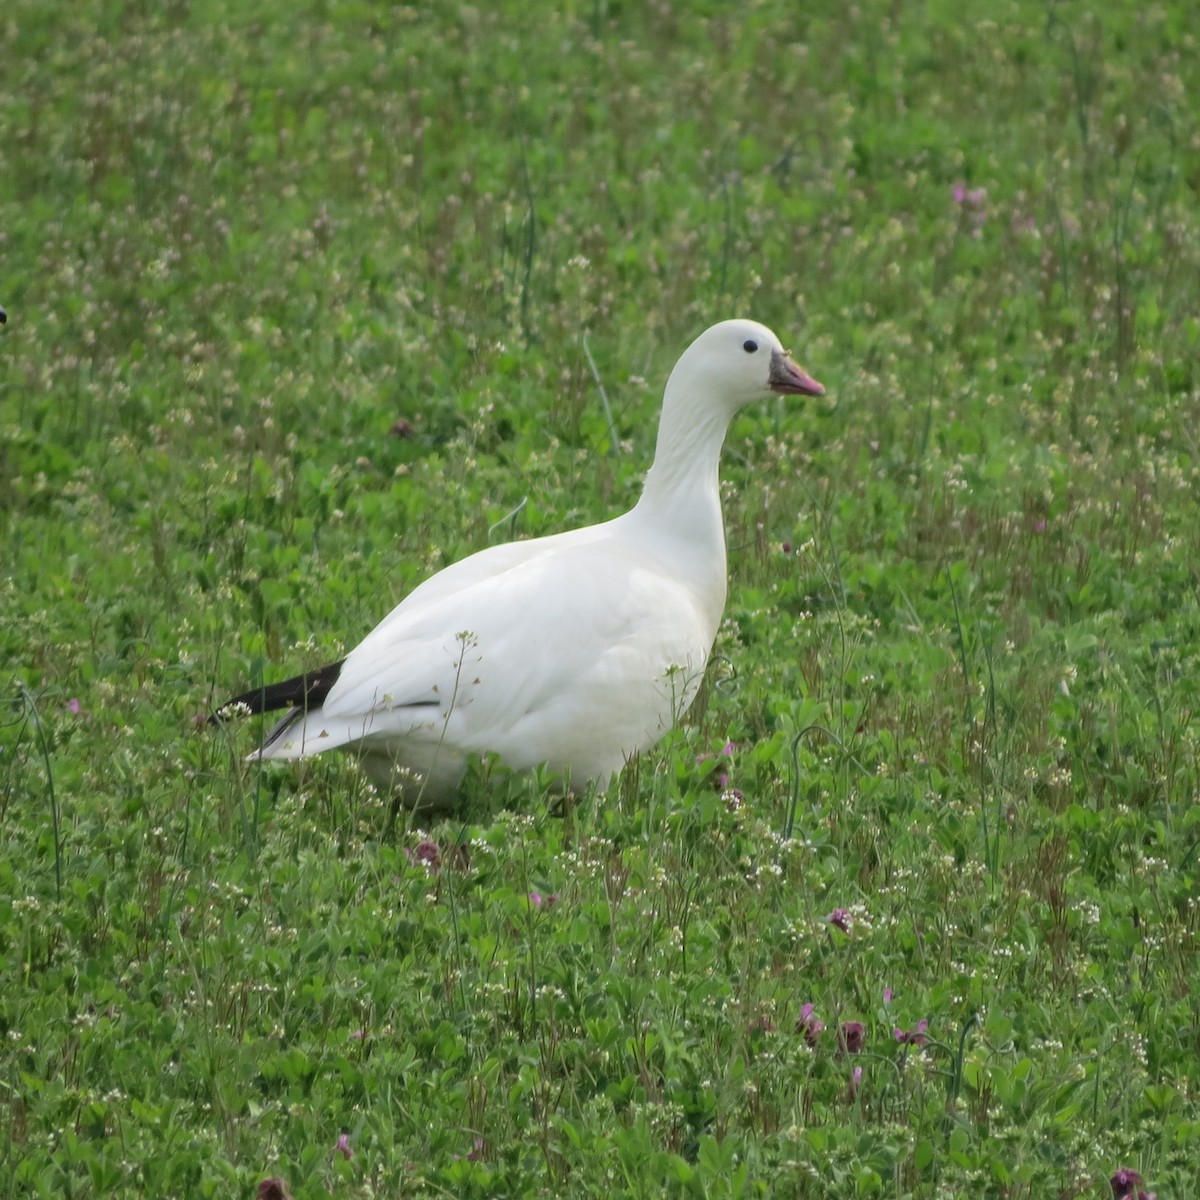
x=575, y=650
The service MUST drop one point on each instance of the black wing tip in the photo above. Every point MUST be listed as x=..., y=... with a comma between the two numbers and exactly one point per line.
x=282, y=726
x=307, y=691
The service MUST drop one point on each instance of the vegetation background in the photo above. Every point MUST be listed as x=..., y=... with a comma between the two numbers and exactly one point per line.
x=304, y=301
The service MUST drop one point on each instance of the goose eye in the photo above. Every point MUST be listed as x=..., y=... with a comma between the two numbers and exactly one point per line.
x=750, y=346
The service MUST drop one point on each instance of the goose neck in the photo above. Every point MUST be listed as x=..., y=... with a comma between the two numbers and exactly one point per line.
x=681, y=496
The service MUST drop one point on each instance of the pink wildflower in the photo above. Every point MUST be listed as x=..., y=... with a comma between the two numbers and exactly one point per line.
x=1125, y=1185
x=427, y=854
x=840, y=918
x=810, y=1024
x=915, y=1037
x=852, y=1036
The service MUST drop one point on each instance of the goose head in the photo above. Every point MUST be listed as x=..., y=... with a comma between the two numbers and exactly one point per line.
x=740, y=362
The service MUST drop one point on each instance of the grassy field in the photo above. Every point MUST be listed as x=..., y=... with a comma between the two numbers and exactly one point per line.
x=301, y=300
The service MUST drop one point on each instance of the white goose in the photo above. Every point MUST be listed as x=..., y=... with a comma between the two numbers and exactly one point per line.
x=575, y=650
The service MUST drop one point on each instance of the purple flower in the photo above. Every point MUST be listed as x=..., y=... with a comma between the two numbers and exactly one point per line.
x=971, y=197
x=887, y=995
x=274, y=1189
x=973, y=202
x=538, y=900
x=720, y=778
x=809, y=1024
x=1125, y=1185
x=852, y=1035
x=427, y=854
x=535, y=898
x=915, y=1037
x=343, y=1146
x=1123, y=1181
x=841, y=919
x=478, y=1151
x=73, y=706
x=852, y=1087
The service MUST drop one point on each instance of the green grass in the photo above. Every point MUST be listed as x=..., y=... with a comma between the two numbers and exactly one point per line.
x=958, y=670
